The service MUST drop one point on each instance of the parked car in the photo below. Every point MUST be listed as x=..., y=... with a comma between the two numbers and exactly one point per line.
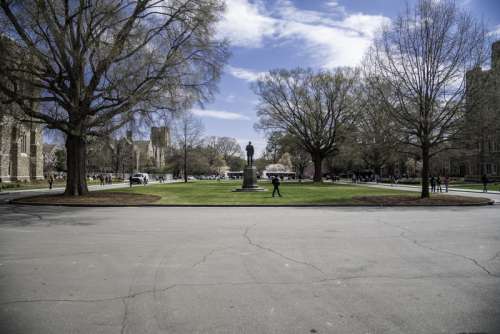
x=141, y=178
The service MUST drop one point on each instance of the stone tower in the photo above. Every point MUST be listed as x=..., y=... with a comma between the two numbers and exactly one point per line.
x=21, y=150
x=160, y=141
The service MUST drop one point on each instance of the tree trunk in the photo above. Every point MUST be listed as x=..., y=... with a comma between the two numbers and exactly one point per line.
x=76, y=178
x=185, y=165
x=318, y=171
x=425, y=172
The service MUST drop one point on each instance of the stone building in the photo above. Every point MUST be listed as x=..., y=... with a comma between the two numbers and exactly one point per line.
x=126, y=155
x=482, y=147
x=21, y=150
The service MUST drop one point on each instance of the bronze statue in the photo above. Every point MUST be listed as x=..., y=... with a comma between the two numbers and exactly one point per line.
x=250, y=152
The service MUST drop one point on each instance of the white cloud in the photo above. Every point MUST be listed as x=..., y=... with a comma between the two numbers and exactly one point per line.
x=495, y=32
x=335, y=6
x=210, y=113
x=244, y=25
x=331, y=38
x=244, y=74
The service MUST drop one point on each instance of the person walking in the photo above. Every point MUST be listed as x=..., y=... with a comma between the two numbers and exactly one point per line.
x=438, y=183
x=433, y=184
x=51, y=181
x=130, y=181
x=446, y=182
x=276, y=185
x=484, y=180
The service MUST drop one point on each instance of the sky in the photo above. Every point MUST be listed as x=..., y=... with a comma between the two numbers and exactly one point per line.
x=320, y=34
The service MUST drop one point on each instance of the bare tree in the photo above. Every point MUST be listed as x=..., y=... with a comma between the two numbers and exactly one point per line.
x=91, y=66
x=376, y=129
x=274, y=147
x=315, y=108
x=299, y=158
x=189, y=135
x=225, y=147
x=423, y=56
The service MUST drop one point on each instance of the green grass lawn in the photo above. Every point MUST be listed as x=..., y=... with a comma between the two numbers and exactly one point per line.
x=220, y=193
x=476, y=186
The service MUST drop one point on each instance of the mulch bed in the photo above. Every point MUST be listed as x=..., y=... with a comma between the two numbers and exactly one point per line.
x=96, y=198
x=99, y=198
x=417, y=201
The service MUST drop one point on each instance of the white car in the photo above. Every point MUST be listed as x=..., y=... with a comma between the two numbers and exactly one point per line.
x=141, y=178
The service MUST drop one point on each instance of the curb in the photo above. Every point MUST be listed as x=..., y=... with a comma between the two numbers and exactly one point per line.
x=252, y=205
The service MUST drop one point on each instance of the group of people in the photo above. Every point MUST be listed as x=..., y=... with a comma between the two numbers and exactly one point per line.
x=105, y=179
x=436, y=183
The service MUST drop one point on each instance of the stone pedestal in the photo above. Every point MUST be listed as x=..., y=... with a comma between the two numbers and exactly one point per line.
x=250, y=180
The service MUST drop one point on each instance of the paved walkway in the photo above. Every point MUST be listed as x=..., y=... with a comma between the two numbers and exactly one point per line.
x=493, y=195
x=241, y=270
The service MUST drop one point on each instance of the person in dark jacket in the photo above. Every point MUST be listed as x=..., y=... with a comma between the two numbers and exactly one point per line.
x=484, y=180
x=276, y=185
x=433, y=184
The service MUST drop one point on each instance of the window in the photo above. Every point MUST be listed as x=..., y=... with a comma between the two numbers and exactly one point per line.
x=24, y=147
x=494, y=169
x=488, y=168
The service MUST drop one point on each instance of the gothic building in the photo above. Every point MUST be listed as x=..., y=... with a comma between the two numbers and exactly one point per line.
x=126, y=155
x=482, y=153
x=21, y=150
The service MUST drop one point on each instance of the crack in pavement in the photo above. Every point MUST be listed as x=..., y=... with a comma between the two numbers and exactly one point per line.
x=268, y=249
x=494, y=257
x=242, y=283
x=443, y=251
x=438, y=250
x=125, y=316
x=47, y=257
x=204, y=258
x=99, y=300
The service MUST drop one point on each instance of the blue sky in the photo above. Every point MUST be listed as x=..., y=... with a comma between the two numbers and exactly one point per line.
x=268, y=34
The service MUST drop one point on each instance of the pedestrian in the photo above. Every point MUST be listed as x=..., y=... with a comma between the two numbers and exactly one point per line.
x=433, y=184
x=276, y=185
x=130, y=180
x=353, y=178
x=446, y=182
x=438, y=183
x=101, y=180
x=484, y=180
x=51, y=181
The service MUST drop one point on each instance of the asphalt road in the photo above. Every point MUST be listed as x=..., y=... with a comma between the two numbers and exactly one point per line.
x=249, y=270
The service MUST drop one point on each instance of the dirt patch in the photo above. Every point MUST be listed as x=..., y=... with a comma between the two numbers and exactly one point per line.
x=97, y=198
x=413, y=200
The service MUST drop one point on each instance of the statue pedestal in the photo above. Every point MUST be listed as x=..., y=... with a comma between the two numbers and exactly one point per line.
x=250, y=180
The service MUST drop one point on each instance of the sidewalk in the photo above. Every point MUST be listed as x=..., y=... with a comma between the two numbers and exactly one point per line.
x=493, y=195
